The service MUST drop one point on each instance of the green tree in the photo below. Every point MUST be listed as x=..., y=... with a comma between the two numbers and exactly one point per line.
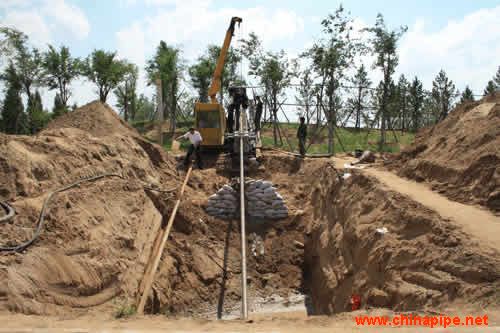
x=497, y=78
x=126, y=94
x=467, y=95
x=166, y=65
x=59, y=108
x=145, y=109
x=202, y=71
x=273, y=70
x=60, y=69
x=105, y=71
x=331, y=56
x=416, y=100
x=402, y=100
x=384, y=45
x=306, y=96
x=13, y=120
x=490, y=88
x=37, y=115
x=357, y=104
x=443, y=93
x=11, y=40
x=201, y=77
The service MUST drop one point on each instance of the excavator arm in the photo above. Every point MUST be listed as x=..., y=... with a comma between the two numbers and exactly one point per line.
x=216, y=79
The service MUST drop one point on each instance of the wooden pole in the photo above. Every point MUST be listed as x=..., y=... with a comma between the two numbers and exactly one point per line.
x=157, y=250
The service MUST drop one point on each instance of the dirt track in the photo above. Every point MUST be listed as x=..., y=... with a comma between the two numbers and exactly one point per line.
x=476, y=221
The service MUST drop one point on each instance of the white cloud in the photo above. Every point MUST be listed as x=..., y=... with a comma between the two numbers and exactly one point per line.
x=193, y=26
x=31, y=23
x=42, y=20
x=467, y=49
x=67, y=17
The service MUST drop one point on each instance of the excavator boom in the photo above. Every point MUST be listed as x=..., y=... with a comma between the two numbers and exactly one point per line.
x=210, y=118
x=216, y=79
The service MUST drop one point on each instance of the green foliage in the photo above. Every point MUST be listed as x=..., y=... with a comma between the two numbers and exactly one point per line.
x=202, y=71
x=384, y=46
x=145, y=109
x=166, y=65
x=357, y=103
x=38, y=117
x=201, y=77
x=28, y=64
x=496, y=79
x=416, y=100
x=11, y=40
x=443, y=93
x=13, y=118
x=272, y=69
x=491, y=87
x=60, y=69
x=59, y=108
x=467, y=95
x=125, y=311
x=331, y=56
x=105, y=71
x=306, y=95
x=126, y=94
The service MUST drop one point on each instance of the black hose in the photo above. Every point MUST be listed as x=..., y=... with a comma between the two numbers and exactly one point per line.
x=9, y=212
x=41, y=218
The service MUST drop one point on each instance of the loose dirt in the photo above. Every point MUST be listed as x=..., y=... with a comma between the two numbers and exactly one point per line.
x=372, y=241
x=460, y=156
x=91, y=255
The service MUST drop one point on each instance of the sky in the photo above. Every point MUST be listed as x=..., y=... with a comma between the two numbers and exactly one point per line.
x=461, y=37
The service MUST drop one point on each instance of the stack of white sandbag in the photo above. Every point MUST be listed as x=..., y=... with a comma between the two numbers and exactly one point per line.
x=223, y=204
x=264, y=201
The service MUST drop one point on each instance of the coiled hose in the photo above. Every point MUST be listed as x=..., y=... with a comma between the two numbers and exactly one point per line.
x=10, y=211
x=41, y=218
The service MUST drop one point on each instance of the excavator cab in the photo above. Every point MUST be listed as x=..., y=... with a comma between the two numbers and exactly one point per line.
x=210, y=118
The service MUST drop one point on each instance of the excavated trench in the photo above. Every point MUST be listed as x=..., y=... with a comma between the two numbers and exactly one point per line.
x=97, y=237
x=391, y=251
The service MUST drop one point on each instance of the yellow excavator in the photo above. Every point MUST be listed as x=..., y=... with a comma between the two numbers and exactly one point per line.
x=210, y=118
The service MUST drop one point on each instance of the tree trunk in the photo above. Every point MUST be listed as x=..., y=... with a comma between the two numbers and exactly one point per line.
x=275, y=125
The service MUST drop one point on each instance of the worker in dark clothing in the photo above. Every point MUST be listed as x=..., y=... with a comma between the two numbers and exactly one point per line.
x=301, y=135
x=195, y=139
x=240, y=100
x=230, y=117
x=258, y=112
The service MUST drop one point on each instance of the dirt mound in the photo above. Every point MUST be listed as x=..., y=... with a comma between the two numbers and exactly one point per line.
x=416, y=260
x=460, y=156
x=96, y=118
x=97, y=236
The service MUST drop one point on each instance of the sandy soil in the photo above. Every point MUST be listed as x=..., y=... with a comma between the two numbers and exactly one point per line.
x=271, y=322
x=478, y=222
x=460, y=156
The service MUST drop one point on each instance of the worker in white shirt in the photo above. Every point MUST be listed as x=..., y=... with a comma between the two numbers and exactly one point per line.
x=195, y=137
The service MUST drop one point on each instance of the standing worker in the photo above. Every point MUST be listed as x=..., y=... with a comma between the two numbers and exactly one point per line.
x=258, y=113
x=196, y=139
x=301, y=135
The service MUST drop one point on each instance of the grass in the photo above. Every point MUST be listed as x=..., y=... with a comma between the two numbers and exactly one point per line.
x=125, y=311
x=350, y=138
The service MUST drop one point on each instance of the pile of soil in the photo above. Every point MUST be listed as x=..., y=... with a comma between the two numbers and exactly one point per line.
x=391, y=251
x=460, y=156
x=97, y=237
